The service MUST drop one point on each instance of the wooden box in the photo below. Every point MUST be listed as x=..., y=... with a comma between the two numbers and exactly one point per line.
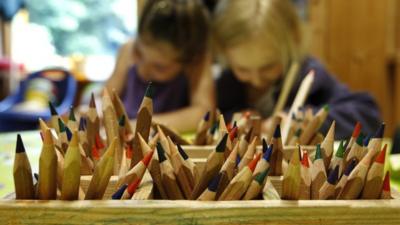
x=196, y=212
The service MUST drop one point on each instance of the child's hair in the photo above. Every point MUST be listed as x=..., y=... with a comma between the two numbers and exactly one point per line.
x=184, y=24
x=237, y=21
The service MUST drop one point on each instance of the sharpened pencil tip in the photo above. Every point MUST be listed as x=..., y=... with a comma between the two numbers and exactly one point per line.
x=213, y=185
x=53, y=110
x=206, y=116
x=333, y=176
x=149, y=90
x=381, y=130
x=222, y=144
x=264, y=145
x=71, y=114
x=382, y=155
x=386, y=182
x=277, y=132
x=261, y=176
x=92, y=103
x=340, y=151
x=161, y=153
x=118, y=194
x=268, y=153
x=20, y=148
x=350, y=167
x=318, y=153
x=182, y=152
x=357, y=130
x=253, y=163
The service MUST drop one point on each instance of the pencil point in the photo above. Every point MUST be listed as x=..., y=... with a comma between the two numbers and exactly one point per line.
x=206, y=116
x=47, y=137
x=357, y=130
x=214, y=128
x=36, y=175
x=95, y=152
x=237, y=160
x=61, y=125
x=69, y=133
x=99, y=143
x=222, y=144
x=295, y=160
x=213, y=185
x=366, y=140
x=20, y=148
x=381, y=157
x=71, y=114
x=149, y=90
x=381, y=130
x=53, y=110
x=146, y=159
x=233, y=133
x=182, y=152
x=261, y=176
x=340, y=151
x=304, y=160
x=318, y=153
x=268, y=153
x=264, y=145
x=386, y=182
x=360, y=139
x=333, y=176
x=82, y=124
x=253, y=163
x=248, y=135
x=92, y=103
x=121, y=121
x=277, y=132
x=326, y=107
x=350, y=167
x=160, y=152
x=118, y=194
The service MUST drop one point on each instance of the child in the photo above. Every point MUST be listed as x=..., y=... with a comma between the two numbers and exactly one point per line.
x=261, y=40
x=172, y=51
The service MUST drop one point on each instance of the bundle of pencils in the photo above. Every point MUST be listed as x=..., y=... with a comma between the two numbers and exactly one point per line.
x=356, y=171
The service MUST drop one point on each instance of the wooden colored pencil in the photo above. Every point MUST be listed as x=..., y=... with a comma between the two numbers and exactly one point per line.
x=83, y=136
x=110, y=122
x=22, y=172
x=305, y=175
x=136, y=172
x=353, y=138
x=72, y=170
x=71, y=123
x=338, y=160
x=244, y=142
x=174, y=135
x=318, y=173
x=167, y=175
x=213, y=164
x=62, y=135
x=314, y=125
x=47, y=183
x=264, y=163
x=248, y=155
x=222, y=126
x=343, y=179
x=277, y=153
x=130, y=190
x=386, y=193
x=202, y=128
x=154, y=168
x=374, y=180
x=327, y=190
x=295, y=138
x=375, y=144
x=255, y=126
x=240, y=183
x=163, y=140
x=143, y=123
x=195, y=174
x=182, y=172
x=119, y=192
x=211, y=192
x=87, y=164
x=227, y=171
x=291, y=178
x=355, y=182
x=356, y=151
x=102, y=173
x=299, y=100
x=327, y=145
x=120, y=111
x=256, y=185
x=93, y=123
x=54, y=117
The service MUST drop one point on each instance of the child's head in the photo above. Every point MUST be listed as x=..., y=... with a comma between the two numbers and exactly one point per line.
x=259, y=38
x=172, y=35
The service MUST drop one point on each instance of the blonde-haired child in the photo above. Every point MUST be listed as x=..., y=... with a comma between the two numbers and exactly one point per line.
x=262, y=40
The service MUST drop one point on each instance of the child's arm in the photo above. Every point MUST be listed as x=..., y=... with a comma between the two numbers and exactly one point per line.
x=201, y=100
x=122, y=64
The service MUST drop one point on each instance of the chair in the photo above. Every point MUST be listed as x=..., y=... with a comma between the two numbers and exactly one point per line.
x=12, y=120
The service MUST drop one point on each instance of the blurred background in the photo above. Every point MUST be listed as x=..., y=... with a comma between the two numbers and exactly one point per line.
x=358, y=40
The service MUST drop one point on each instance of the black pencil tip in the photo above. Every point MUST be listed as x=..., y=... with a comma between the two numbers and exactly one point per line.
x=53, y=110
x=264, y=145
x=149, y=90
x=222, y=144
x=381, y=130
x=20, y=148
x=160, y=152
x=277, y=133
x=333, y=176
x=71, y=114
x=121, y=121
x=182, y=152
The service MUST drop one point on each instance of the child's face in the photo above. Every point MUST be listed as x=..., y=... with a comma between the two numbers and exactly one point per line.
x=157, y=61
x=255, y=62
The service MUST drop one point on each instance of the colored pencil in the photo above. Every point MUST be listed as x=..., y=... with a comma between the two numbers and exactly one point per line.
x=72, y=170
x=318, y=173
x=374, y=180
x=22, y=172
x=291, y=178
x=343, y=179
x=327, y=190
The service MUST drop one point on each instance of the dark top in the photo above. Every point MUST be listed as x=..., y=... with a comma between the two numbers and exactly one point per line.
x=168, y=96
x=345, y=107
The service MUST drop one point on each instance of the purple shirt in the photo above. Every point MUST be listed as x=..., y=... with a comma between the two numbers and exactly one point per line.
x=168, y=96
x=345, y=107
